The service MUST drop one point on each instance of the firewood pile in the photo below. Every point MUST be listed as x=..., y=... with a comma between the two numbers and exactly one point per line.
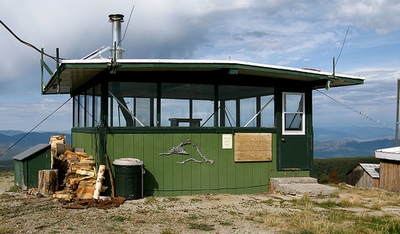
x=80, y=175
x=79, y=185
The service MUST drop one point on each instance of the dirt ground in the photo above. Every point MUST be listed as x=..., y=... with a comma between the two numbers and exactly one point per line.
x=211, y=213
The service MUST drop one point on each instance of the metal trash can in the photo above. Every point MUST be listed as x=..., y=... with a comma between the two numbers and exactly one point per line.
x=129, y=178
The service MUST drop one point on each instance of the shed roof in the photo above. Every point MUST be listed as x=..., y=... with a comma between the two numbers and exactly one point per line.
x=74, y=73
x=29, y=152
x=372, y=169
x=392, y=153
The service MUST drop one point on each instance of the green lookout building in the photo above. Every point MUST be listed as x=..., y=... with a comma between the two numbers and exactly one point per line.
x=198, y=126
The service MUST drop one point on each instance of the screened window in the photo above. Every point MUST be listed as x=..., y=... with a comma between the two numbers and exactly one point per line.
x=293, y=114
x=87, y=108
x=135, y=104
x=131, y=104
x=81, y=110
x=187, y=105
x=246, y=106
x=97, y=107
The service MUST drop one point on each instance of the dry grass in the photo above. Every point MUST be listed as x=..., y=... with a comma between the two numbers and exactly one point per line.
x=352, y=210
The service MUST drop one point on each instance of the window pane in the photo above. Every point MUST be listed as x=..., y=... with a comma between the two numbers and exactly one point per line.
x=230, y=114
x=76, y=112
x=294, y=103
x=204, y=110
x=143, y=111
x=89, y=110
x=97, y=109
x=293, y=113
x=174, y=109
x=268, y=111
x=247, y=112
x=293, y=121
x=81, y=120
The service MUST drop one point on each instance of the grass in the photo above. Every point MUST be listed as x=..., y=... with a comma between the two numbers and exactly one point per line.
x=353, y=210
x=331, y=216
x=201, y=226
x=5, y=229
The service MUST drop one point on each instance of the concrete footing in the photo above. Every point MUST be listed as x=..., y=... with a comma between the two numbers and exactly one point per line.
x=297, y=186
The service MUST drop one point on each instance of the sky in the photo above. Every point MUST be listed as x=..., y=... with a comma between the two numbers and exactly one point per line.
x=363, y=36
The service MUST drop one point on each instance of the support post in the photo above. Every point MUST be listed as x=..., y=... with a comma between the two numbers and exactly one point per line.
x=397, y=113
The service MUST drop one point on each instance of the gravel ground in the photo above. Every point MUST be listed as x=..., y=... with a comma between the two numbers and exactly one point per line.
x=211, y=213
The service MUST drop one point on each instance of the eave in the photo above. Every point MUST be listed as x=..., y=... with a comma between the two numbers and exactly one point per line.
x=72, y=74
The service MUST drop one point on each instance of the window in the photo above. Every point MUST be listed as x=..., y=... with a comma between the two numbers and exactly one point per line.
x=293, y=114
x=81, y=110
x=187, y=105
x=76, y=112
x=97, y=107
x=131, y=104
x=135, y=104
x=246, y=106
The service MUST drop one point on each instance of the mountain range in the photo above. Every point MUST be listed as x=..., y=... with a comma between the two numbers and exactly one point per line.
x=13, y=142
x=351, y=141
x=329, y=142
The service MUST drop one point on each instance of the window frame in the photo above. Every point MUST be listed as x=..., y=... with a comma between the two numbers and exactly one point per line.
x=286, y=131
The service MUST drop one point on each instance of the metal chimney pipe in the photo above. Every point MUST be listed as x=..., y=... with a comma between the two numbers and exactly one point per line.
x=116, y=20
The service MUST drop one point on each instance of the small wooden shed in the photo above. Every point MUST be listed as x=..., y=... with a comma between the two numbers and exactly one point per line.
x=28, y=163
x=364, y=175
x=390, y=168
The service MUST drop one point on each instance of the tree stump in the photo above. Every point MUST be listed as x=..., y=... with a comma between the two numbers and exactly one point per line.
x=47, y=182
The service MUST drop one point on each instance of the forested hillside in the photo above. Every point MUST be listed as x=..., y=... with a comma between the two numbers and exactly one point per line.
x=334, y=170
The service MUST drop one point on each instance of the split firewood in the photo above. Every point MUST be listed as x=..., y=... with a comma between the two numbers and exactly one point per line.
x=99, y=181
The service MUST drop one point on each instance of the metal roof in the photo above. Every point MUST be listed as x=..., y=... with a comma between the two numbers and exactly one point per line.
x=372, y=169
x=72, y=74
x=29, y=152
x=388, y=153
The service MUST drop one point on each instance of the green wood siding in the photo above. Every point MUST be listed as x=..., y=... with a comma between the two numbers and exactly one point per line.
x=165, y=177
x=26, y=170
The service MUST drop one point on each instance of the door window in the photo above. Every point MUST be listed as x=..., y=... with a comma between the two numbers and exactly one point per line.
x=293, y=114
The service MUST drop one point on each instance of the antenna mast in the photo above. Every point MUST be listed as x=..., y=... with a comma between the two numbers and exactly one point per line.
x=397, y=114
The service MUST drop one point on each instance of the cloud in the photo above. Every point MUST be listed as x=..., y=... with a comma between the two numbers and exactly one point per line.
x=375, y=99
x=37, y=113
x=280, y=32
x=382, y=16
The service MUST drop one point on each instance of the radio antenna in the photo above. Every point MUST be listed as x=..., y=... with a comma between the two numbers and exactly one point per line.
x=129, y=20
x=340, y=53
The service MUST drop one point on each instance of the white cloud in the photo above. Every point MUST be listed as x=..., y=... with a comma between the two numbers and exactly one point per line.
x=26, y=115
x=382, y=16
x=291, y=33
x=375, y=99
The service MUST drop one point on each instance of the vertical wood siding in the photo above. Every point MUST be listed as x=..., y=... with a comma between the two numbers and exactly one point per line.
x=390, y=175
x=165, y=177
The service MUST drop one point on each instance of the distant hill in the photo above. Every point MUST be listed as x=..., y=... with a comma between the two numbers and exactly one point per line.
x=349, y=148
x=353, y=133
x=335, y=170
x=23, y=141
x=351, y=141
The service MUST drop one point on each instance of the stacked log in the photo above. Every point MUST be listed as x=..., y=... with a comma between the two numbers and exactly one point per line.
x=54, y=142
x=80, y=176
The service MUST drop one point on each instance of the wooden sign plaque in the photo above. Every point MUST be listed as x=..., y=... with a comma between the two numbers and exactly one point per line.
x=253, y=147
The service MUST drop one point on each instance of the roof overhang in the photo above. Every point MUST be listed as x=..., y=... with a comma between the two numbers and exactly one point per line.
x=71, y=74
x=392, y=153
